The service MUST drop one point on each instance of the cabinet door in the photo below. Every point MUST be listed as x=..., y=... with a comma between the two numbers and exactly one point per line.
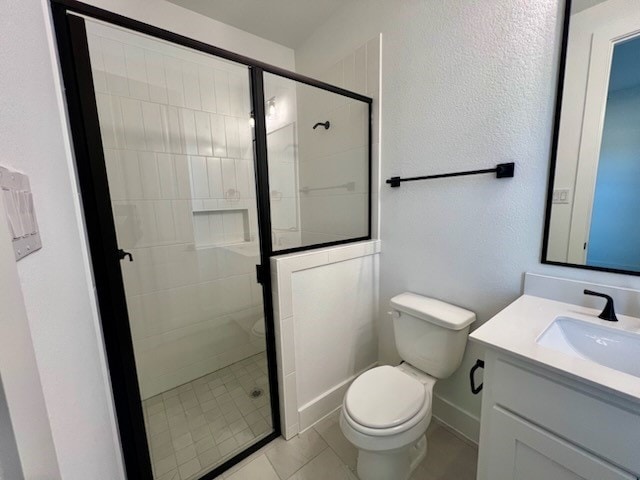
x=518, y=450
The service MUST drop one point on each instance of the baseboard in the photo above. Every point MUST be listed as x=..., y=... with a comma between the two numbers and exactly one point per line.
x=312, y=412
x=456, y=419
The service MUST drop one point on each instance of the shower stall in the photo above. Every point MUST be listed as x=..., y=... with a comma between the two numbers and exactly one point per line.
x=196, y=166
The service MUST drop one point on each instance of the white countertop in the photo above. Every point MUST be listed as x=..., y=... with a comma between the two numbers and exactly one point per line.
x=516, y=329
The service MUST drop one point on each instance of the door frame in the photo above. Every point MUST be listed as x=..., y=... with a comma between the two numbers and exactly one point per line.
x=603, y=43
x=73, y=51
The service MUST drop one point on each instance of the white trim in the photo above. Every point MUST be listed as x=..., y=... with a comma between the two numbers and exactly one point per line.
x=460, y=421
x=312, y=412
x=282, y=269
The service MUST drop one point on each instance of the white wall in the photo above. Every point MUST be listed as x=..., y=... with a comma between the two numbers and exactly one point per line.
x=160, y=13
x=335, y=334
x=26, y=444
x=56, y=281
x=325, y=305
x=580, y=5
x=465, y=85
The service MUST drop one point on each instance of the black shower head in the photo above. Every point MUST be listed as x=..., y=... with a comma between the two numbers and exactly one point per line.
x=326, y=125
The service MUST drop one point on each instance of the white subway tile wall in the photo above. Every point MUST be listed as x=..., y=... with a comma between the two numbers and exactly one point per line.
x=177, y=141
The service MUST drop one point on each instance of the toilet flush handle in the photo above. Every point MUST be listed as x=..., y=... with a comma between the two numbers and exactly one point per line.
x=394, y=313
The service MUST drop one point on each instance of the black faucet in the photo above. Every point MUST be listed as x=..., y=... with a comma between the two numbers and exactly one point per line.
x=609, y=312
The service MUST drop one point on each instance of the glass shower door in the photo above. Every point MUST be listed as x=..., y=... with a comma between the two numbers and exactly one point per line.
x=178, y=147
x=319, y=165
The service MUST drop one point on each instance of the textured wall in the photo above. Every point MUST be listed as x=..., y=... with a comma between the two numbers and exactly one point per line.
x=466, y=85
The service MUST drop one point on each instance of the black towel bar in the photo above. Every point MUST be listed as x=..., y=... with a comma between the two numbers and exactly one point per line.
x=502, y=170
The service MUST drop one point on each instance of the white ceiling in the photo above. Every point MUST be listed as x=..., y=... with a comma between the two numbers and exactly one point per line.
x=287, y=22
x=580, y=5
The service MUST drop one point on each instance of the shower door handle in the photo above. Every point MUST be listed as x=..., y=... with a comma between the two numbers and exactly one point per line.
x=122, y=255
x=260, y=274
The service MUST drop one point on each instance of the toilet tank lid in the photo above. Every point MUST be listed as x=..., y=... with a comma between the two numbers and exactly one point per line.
x=434, y=311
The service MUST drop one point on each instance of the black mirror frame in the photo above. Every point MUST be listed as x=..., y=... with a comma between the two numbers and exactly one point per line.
x=554, y=154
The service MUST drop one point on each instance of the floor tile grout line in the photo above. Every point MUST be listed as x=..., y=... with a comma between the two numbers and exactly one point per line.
x=272, y=466
x=252, y=368
x=333, y=450
x=310, y=460
x=437, y=433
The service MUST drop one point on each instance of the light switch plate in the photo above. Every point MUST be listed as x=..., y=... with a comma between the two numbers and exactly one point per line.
x=20, y=212
x=562, y=196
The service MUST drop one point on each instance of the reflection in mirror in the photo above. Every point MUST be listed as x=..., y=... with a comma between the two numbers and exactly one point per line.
x=594, y=215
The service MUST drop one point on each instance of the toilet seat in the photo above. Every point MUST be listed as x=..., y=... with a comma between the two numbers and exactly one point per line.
x=384, y=397
x=385, y=401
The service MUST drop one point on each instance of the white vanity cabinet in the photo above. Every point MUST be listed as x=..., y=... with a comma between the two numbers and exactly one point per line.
x=538, y=424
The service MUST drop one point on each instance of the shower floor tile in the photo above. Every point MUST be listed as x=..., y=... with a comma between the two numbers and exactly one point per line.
x=195, y=427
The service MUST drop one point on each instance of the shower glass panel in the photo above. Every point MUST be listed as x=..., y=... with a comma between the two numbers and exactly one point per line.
x=318, y=155
x=178, y=146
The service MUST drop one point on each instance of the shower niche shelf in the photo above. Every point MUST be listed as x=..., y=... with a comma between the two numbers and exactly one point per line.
x=221, y=227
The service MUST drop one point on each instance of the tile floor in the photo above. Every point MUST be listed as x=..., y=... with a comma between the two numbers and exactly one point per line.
x=322, y=453
x=197, y=426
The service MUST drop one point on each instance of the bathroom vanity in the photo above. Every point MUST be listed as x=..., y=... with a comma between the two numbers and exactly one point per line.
x=561, y=397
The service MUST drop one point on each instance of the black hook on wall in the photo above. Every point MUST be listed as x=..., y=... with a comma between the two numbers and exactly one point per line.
x=326, y=125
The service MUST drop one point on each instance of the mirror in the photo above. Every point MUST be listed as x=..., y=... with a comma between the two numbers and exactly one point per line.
x=593, y=204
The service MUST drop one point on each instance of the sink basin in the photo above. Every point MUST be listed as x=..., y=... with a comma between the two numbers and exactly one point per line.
x=607, y=346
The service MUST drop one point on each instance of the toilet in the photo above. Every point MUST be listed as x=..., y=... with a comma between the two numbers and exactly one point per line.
x=386, y=410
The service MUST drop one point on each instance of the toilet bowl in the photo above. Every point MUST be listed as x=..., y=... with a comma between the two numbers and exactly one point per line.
x=385, y=414
x=386, y=410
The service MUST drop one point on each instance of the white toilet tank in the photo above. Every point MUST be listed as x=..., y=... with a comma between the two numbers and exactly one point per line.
x=430, y=335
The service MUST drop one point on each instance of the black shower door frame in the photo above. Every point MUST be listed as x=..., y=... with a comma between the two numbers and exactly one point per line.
x=90, y=163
